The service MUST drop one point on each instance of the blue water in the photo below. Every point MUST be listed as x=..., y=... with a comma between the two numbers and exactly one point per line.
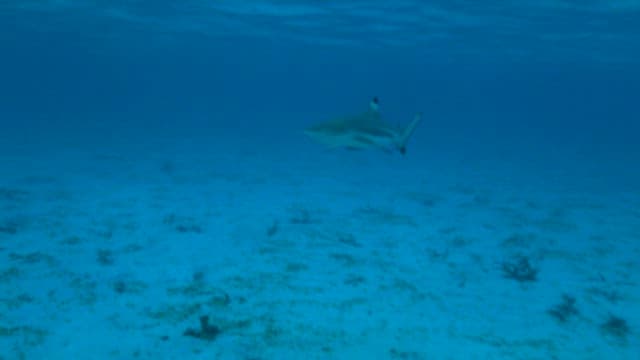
x=159, y=145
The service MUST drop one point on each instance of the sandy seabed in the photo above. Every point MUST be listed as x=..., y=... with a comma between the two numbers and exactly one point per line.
x=189, y=254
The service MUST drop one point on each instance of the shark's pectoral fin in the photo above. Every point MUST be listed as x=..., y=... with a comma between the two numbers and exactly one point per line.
x=408, y=131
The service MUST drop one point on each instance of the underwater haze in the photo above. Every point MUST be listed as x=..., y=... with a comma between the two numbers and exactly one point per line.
x=161, y=199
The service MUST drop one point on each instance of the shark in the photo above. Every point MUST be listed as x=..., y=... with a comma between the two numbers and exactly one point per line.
x=363, y=131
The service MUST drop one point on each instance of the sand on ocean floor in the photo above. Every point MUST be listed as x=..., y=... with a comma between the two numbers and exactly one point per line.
x=110, y=256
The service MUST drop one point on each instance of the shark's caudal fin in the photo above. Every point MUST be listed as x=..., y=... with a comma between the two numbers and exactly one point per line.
x=406, y=134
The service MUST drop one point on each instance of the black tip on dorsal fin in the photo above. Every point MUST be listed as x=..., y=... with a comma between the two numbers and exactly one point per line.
x=374, y=104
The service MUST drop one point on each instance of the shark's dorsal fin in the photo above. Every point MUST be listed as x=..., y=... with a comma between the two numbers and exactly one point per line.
x=374, y=104
x=373, y=115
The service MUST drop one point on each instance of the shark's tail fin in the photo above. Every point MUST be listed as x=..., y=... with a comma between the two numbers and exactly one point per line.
x=408, y=131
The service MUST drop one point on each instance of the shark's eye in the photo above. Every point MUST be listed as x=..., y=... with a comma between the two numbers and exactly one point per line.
x=375, y=100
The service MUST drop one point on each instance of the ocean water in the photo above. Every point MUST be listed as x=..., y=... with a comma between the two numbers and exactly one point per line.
x=160, y=199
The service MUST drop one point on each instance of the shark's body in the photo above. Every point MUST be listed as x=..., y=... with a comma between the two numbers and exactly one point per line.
x=363, y=131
